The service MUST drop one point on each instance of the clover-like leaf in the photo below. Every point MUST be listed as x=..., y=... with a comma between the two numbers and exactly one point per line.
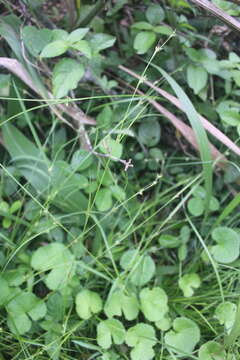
x=164, y=324
x=226, y=313
x=88, y=303
x=142, y=338
x=195, y=206
x=211, y=350
x=185, y=336
x=21, y=309
x=188, y=283
x=141, y=267
x=118, y=303
x=57, y=259
x=154, y=303
x=228, y=243
x=109, y=331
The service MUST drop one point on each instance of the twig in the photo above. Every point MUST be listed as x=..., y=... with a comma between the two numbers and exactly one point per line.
x=73, y=111
x=210, y=7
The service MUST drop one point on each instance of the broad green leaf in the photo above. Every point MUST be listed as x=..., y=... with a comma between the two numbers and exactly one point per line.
x=111, y=147
x=19, y=324
x=84, y=47
x=36, y=39
x=149, y=132
x=226, y=314
x=164, y=30
x=214, y=204
x=228, y=243
x=211, y=350
x=5, y=293
x=57, y=258
x=184, y=336
x=169, y=241
x=118, y=303
x=155, y=14
x=88, y=303
x=143, y=41
x=164, y=324
x=154, y=303
x=104, y=118
x=59, y=34
x=110, y=331
x=141, y=267
x=103, y=200
x=118, y=192
x=195, y=206
x=142, y=338
x=66, y=75
x=81, y=160
x=101, y=41
x=229, y=112
x=196, y=78
x=188, y=283
x=142, y=25
x=77, y=35
x=19, y=307
x=55, y=48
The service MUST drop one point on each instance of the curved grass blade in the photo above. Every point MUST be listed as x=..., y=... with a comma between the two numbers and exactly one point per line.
x=199, y=131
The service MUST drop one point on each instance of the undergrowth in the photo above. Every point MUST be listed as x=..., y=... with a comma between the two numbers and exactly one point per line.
x=118, y=240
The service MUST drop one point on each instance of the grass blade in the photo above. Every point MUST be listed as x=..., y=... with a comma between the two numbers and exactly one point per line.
x=199, y=132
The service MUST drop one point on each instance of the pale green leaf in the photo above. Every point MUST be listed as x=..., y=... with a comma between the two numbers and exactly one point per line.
x=66, y=75
x=88, y=303
x=55, y=48
x=143, y=41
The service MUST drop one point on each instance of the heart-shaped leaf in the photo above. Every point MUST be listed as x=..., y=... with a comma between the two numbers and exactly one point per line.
x=226, y=313
x=142, y=338
x=154, y=303
x=118, y=302
x=88, y=303
x=188, y=283
x=195, y=206
x=109, y=331
x=185, y=336
x=211, y=350
x=228, y=243
x=57, y=259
